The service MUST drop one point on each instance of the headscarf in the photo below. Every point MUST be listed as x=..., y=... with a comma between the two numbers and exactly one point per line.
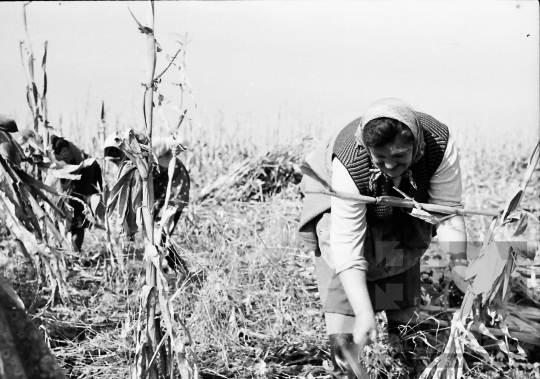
x=397, y=110
x=57, y=143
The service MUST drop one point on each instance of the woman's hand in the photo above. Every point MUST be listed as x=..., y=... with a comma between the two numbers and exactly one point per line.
x=177, y=148
x=452, y=237
x=365, y=329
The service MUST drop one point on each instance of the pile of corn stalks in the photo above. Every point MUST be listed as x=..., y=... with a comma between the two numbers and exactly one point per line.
x=486, y=301
x=259, y=177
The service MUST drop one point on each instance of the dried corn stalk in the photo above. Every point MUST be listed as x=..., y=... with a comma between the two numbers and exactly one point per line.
x=158, y=335
x=420, y=210
x=489, y=277
x=98, y=203
x=22, y=203
x=36, y=101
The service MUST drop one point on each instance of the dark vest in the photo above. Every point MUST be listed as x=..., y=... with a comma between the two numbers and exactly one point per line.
x=392, y=230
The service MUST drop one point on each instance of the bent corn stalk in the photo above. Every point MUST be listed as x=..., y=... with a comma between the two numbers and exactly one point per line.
x=389, y=200
x=488, y=290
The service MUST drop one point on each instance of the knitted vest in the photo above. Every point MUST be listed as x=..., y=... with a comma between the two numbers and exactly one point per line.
x=358, y=163
x=395, y=241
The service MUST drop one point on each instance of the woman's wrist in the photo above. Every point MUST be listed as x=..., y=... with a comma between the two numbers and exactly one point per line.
x=354, y=284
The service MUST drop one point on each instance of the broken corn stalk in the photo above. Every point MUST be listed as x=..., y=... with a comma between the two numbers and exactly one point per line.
x=488, y=291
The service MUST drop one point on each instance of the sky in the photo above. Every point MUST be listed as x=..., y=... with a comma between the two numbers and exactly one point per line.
x=468, y=64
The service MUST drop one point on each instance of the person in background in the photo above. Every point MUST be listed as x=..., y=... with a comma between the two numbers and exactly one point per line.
x=165, y=149
x=367, y=256
x=90, y=183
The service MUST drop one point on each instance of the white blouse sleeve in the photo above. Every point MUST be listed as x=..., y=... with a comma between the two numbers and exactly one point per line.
x=445, y=185
x=348, y=223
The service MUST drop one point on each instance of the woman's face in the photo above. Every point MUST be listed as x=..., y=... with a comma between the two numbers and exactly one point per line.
x=393, y=158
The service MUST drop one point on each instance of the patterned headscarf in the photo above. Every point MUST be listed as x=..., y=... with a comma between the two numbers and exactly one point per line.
x=401, y=111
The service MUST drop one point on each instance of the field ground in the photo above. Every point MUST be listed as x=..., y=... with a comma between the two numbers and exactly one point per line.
x=249, y=297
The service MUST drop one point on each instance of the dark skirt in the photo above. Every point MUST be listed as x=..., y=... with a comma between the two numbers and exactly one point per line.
x=179, y=190
x=390, y=293
x=394, y=293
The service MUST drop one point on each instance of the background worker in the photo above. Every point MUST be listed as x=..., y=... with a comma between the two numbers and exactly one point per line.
x=90, y=183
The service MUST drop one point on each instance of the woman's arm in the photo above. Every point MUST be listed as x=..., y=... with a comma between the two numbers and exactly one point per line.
x=452, y=238
x=347, y=237
x=365, y=326
x=445, y=188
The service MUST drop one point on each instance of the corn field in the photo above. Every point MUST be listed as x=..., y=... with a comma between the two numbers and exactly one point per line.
x=244, y=303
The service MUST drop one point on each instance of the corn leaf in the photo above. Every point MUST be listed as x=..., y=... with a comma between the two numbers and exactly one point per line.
x=125, y=176
x=61, y=170
x=97, y=207
x=124, y=199
x=484, y=270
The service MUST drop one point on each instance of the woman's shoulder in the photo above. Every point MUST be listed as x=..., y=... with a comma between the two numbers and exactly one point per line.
x=432, y=126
